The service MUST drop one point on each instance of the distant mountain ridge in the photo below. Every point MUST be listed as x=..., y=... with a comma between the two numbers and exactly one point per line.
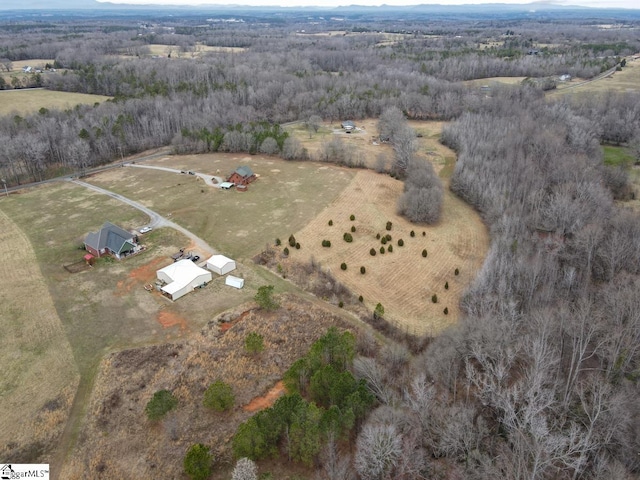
x=49, y=4
x=95, y=5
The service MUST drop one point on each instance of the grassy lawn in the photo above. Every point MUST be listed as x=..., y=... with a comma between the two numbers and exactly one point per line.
x=25, y=102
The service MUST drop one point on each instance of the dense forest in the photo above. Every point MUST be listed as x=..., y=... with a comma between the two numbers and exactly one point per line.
x=540, y=378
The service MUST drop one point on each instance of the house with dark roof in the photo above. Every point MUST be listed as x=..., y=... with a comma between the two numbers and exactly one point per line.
x=110, y=240
x=242, y=176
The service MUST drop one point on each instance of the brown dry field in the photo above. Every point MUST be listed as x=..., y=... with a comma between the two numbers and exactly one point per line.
x=117, y=438
x=196, y=51
x=403, y=281
x=39, y=374
x=491, y=81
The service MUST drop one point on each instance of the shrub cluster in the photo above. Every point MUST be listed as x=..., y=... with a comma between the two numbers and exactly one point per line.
x=219, y=396
x=347, y=237
x=160, y=404
x=326, y=243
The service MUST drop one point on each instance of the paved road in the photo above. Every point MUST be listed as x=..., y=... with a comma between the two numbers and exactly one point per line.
x=208, y=179
x=156, y=220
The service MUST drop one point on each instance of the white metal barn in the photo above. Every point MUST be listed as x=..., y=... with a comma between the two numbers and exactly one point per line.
x=182, y=277
x=221, y=265
x=234, y=282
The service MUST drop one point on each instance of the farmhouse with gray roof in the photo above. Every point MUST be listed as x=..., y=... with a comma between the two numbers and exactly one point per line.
x=110, y=240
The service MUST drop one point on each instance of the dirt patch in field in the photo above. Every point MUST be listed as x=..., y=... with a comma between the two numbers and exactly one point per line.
x=142, y=275
x=266, y=401
x=171, y=319
x=116, y=433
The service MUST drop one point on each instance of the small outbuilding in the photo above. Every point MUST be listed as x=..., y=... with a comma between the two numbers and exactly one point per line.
x=234, y=282
x=221, y=265
x=181, y=278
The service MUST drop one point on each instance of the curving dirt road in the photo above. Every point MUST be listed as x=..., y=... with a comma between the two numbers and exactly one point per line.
x=156, y=220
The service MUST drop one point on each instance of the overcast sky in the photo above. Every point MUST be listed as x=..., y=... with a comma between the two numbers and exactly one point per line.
x=333, y=3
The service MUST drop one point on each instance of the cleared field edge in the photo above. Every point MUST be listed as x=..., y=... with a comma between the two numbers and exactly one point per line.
x=39, y=376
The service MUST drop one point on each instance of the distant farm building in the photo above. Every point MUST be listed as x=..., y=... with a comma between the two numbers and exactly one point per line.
x=234, y=282
x=348, y=125
x=111, y=240
x=565, y=78
x=181, y=278
x=242, y=176
x=221, y=265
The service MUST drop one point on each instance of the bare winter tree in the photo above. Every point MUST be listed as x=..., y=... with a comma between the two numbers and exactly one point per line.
x=245, y=469
x=379, y=448
x=421, y=201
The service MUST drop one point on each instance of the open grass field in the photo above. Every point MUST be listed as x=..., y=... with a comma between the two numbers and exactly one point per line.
x=285, y=197
x=25, y=102
x=39, y=374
